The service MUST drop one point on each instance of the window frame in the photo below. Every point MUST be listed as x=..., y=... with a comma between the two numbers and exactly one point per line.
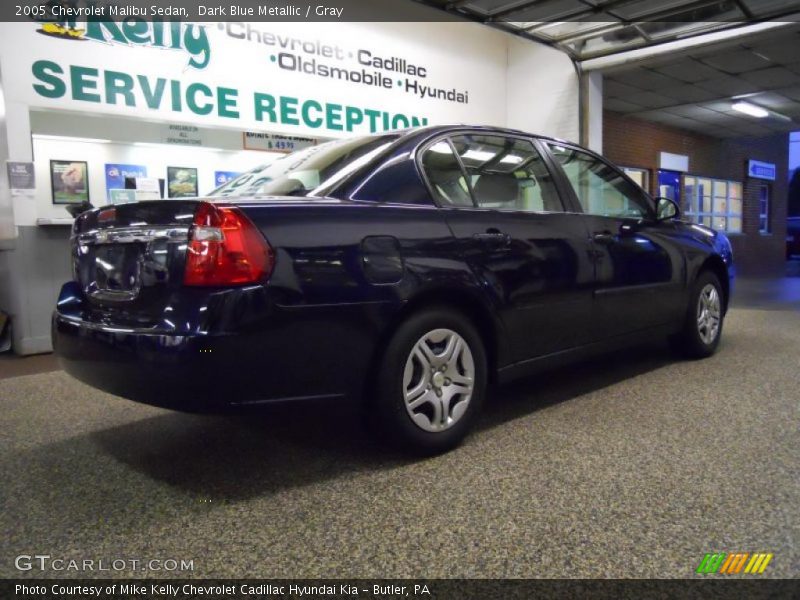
x=694, y=201
x=644, y=171
x=567, y=201
x=765, y=215
x=570, y=190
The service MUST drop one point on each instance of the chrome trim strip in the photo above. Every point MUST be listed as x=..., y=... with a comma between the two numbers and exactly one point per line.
x=105, y=328
x=130, y=235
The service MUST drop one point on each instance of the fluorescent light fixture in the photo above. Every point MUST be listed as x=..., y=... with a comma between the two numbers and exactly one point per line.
x=750, y=109
x=67, y=138
x=479, y=155
x=441, y=148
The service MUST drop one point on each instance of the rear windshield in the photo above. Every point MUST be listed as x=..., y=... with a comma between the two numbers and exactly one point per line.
x=310, y=172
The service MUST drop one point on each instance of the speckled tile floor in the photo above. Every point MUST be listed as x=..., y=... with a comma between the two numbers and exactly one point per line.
x=633, y=465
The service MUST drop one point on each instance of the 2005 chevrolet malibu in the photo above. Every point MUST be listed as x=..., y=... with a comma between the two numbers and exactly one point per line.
x=406, y=269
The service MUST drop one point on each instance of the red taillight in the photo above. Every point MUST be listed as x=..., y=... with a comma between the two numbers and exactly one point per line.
x=107, y=214
x=225, y=248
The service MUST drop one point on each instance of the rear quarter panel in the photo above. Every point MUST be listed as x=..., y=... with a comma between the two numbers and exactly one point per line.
x=333, y=277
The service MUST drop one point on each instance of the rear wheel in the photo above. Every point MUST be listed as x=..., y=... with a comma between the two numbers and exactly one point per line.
x=431, y=381
x=702, y=327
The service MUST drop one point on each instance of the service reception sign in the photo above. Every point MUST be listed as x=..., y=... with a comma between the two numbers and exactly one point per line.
x=310, y=79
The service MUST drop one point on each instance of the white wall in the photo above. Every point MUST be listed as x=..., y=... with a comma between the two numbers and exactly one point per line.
x=542, y=90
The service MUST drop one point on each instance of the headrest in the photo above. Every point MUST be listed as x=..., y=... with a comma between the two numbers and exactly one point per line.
x=497, y=187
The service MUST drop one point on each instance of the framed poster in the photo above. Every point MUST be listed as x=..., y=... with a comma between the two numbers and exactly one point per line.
x=181, y=182
x=70, y=181
x=116, y=174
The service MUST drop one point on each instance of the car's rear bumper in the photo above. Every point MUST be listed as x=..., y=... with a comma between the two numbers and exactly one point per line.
x=163, y=370
x=297, y=360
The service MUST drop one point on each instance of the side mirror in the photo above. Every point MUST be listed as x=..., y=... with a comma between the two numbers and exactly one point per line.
x=667, y=209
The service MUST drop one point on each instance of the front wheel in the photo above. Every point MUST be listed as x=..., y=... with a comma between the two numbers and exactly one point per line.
x=431, y=381
x=702, y=327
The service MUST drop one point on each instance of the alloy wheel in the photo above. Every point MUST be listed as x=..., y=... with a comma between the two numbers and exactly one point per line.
x=709, y=313
x=438, y=380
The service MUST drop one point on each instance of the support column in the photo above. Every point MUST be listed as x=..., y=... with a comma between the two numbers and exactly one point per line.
x=8, y=230
x=34, y=261
x=592, y=110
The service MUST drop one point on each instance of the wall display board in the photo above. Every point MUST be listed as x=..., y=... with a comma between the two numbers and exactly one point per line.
x=118, y=196
x=148, y=188
x=116, y=175
x=181, y=182
x=182, y=135
x=70, y=181
x=21, y=177
x=272, y=142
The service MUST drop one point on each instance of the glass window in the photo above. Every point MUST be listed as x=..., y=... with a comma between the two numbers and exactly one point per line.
x=640, y=176
x=447, y=181
x=715, y=203
x=313, y=171
x=601, y=189
x=396, y=181
x=507, y=174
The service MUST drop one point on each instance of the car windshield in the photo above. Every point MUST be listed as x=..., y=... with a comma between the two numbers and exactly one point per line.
x=309, y=172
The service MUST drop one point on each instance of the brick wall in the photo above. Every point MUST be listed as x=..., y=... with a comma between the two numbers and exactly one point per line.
x=635, y=143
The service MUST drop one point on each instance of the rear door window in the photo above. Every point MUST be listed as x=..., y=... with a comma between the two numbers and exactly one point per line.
x=445, y=177
x=507, y=173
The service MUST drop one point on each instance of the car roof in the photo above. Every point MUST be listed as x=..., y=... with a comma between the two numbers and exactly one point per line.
x=432, y=130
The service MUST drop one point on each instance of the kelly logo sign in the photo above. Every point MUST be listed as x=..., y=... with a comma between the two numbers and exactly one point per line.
x=168, y=35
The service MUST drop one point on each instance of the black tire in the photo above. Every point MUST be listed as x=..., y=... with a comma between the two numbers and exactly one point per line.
x=689, y=341
x=388, y=405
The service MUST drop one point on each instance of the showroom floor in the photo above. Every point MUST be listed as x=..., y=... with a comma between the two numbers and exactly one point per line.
x=634, y=465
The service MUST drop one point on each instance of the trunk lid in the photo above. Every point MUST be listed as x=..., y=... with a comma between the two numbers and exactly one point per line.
x=130, y=258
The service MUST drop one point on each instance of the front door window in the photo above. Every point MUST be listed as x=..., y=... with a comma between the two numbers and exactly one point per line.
x=601, y=189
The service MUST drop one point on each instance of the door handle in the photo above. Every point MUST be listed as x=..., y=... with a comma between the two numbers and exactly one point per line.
x=494, y=237
x=603, y=237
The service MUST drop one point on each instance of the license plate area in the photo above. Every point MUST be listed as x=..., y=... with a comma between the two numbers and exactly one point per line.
x=116, y=272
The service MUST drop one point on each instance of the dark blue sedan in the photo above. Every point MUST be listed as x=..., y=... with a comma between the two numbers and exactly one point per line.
x=405, y=270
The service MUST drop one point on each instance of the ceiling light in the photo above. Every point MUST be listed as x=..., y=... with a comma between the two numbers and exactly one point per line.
x=478, y=155
x=750, y=109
